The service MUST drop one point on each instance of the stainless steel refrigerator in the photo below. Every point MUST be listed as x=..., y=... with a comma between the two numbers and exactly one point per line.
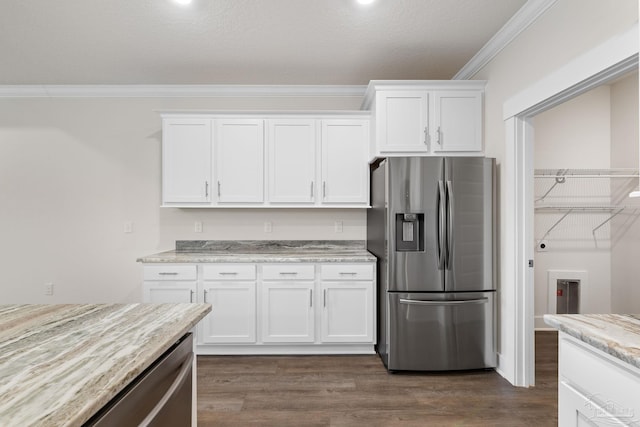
x=431, y=226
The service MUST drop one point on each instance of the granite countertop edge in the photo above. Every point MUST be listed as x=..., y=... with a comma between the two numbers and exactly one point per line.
x=615, y=334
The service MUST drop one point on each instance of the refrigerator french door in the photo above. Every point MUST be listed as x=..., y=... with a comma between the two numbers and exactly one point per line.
x=431, y=227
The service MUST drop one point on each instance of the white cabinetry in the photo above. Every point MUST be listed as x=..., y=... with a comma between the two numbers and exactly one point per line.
x=169, y=283
x=186, y=160
x=347, y=303
x=595, y=388
x=345, y=171
x=267, y=160
x=231, y=291
x=239, y=159
x=288, y=303
x=274, y=308
x=292, y=160
x=425, y=117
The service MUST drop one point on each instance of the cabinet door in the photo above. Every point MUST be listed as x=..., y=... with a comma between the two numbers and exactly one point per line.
x=402, y=118
x=168, y=291
x=233, y=315
x=347, y=312
x=186, y=160
x=344, y=161
x=287, y=312
x=292, y=160
x=239, y=154
x=457, y=121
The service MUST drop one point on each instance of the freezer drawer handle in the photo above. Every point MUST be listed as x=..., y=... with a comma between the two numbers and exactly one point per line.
x=431, y=302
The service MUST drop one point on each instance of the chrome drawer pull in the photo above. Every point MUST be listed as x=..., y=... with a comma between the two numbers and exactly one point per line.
x=168, y=273
x=228, y=273
x=347, y=273
x=284, y=273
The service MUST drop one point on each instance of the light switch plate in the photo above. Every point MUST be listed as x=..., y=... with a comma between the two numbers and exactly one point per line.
x=338, y=227
x=268, y=227
x=128, y=227
x=197, y=227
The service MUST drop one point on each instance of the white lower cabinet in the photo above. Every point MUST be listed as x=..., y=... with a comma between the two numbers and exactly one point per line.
x=233, y=315
x=287, y=312
x=595, y=388
x=347, y=312
x=169, y=283
x=274, y=308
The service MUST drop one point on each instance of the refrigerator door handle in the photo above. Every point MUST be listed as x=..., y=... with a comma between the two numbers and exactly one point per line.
x=449, y=225
x=436, y=302
x=440, y=227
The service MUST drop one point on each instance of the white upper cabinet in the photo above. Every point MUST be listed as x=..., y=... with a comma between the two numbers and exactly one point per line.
x=266, y=160
x=291, y=146
x=402, y=120
x=345, y=171
x=239, y=159
x=458, y=121
x=426, y=117
x=186, y=160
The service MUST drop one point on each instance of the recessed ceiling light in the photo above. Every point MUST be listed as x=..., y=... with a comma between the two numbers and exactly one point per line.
x=183, y=2
x=365, y=1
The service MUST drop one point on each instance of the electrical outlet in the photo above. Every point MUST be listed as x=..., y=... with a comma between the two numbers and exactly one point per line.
x=128, y=227
x=198, y=227
x=267, y=227
x=338, y=227
x=48, y=288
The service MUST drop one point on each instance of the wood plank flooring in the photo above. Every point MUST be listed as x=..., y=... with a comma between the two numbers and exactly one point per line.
x=358, y=391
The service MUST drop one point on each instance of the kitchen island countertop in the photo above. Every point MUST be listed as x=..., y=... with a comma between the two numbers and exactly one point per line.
x=616, y=334
x=252, y=251
x=59, y=364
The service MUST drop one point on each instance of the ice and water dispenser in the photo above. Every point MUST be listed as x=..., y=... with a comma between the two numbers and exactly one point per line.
x=409, y=232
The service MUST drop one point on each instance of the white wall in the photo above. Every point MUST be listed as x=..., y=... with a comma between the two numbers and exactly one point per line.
x=576, y=135
x=625, y=228
x=73, y=171
x=566, y=30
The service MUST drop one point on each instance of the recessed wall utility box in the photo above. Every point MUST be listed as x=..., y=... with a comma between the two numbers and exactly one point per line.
x=568, y=296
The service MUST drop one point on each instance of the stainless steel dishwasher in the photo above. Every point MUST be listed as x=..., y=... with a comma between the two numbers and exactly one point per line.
x=160, y=396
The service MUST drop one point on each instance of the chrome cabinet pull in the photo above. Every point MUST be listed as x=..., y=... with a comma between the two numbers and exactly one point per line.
x=324, y=189
x=285, y=273
x=426, y=137
x=310, y=297
x=228, y=273
x=191, y=296
x=324, y=297
x=439, y=134
x=312, y=189
x=218, y=188
x=348, y=273
x=206, y=189
x=205, y=296
x=168, y=273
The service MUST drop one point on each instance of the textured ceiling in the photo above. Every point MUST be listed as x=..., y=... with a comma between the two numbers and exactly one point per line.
x=242, y=41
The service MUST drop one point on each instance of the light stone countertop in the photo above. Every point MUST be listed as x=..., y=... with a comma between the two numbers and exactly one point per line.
x=223, y=251
x=60, y=364
x=615, y=334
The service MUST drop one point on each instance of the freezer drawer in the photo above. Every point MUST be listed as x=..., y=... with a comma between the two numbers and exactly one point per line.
x=441, y=332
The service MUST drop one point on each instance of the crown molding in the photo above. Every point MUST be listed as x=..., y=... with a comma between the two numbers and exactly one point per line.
x=177, y=91
x=519, y=22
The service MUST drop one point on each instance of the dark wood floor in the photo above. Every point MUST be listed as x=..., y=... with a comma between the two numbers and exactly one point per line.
x=358, y=391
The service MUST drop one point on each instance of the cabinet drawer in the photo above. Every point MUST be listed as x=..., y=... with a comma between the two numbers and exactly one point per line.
x=288, y=272
x=346, y=272
x=229, y=272
x=170, y=272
